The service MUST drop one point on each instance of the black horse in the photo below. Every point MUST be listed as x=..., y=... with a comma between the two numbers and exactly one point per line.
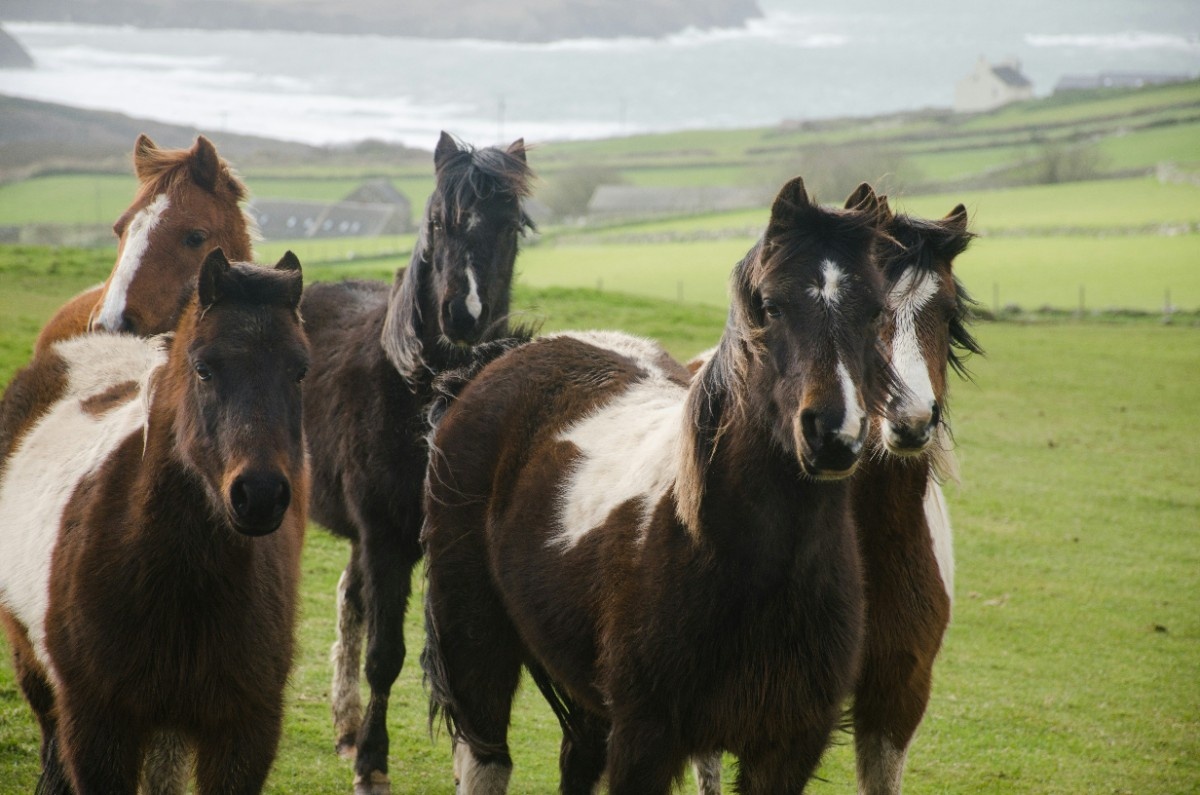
x=375, y=352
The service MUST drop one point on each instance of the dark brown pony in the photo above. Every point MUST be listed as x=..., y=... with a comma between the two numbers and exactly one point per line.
x=903, y=524
x=374, y=352
x=186, y=205
x=152, y=511
x=673, y=560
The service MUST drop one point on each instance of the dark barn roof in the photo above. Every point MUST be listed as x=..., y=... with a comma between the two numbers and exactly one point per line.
x=1011, y=76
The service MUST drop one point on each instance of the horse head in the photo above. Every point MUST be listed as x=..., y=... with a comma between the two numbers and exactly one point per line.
x=455, y=291
x=925, y=324
x=187, y=204
x=237, y=361
x=807, y=303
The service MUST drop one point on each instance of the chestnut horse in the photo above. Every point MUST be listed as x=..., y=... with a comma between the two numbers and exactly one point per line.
x=673, y=560
x=903, y=523
x=374, y=352
x=186, y=205
x=152, y=510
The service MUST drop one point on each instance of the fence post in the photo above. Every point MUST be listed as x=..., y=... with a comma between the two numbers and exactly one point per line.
x=996, y=299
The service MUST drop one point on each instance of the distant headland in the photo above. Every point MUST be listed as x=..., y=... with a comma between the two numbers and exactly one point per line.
x=505, y=20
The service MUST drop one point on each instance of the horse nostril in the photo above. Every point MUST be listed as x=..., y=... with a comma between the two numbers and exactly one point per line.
x=127, y=325
x=811, y=427
x=935, y=415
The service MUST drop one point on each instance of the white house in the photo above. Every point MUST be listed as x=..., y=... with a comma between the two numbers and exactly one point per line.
x=990, y=86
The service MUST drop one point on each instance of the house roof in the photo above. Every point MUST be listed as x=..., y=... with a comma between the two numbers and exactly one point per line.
x=1011, y=76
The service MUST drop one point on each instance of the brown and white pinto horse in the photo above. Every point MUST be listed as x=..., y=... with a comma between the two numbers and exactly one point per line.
x=903, y=523
x=673, y=561
x=902, y=519
x=152, y=510
x=374, y=352
x=187, y=204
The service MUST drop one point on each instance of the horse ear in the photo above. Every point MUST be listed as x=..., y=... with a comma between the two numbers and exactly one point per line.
x=885, y=211
x=956, y=219
x=517, y=149
x=792, y=197
x=290, y=263
x=863, y=200
x=204, y=163
x=445, y=148
x=212, y=274
x=145, y=161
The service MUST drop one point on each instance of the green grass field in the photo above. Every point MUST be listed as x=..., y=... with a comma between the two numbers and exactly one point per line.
x=1073, y=661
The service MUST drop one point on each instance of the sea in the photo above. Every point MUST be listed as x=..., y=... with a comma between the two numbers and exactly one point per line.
x=802, y=60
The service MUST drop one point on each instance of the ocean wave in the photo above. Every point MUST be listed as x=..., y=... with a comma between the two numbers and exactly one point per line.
x=1128, y=40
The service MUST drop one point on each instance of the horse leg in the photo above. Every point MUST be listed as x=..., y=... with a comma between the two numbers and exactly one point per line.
x=583, y=754
x=782, y=767
x=101, y=754
x=346, y=656
x=889, y=703
x=166, y=765
x=708, y=774
x=642, y=760
x=237, y=759
x=386, y=562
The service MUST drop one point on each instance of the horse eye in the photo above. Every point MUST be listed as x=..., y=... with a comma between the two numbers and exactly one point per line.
x=202, y=371
x=194, y=239
x=771, y=309
x=301, y=374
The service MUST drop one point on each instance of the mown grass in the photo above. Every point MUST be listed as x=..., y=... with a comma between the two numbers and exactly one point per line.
x=1072, y=662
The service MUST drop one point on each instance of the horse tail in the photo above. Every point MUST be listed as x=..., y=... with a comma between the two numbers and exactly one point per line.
x=442, y=700
x=54, y=780
x=568, y=714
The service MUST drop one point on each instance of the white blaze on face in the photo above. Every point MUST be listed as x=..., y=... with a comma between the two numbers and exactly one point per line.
x=628, y=449
x=137, y=240
x=474, y=305
x=853, y=410
x=906, y=299
x=66, y=445
x=830, y=289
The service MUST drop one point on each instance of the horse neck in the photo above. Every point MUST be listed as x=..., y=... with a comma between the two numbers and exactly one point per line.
x=755, y=503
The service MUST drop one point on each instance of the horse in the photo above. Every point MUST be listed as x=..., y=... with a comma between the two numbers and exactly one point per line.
x=671, y=558
x=152, y=510
x=374, y=351
x=187, y=204
x=903, y=522
x=897, y=501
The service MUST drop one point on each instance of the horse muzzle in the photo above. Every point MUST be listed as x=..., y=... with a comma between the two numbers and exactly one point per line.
x=911, y=435
x=828, y=450
x=258, y=502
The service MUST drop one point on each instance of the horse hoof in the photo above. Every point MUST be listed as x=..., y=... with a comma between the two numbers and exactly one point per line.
x=346, y=748
x=376, y=784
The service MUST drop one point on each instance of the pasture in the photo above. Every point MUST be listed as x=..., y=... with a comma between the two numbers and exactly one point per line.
x=1073, y=658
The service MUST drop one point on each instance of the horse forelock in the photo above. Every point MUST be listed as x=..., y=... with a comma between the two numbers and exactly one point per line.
x=169, y=170
x=469, y=176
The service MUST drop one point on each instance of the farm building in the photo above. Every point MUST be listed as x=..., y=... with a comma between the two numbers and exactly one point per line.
x=990, y=86
x=1117, y=80
x=374, y=208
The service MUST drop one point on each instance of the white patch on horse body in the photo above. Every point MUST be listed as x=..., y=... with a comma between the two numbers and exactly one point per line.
x=830, y=289
x=474, y=305
x=62, y=448
x=646, y=354
x=628, y=449
x=906, y=300
x=346, y=657
x=937, y=516
x=880, y=765
x=137, y=240
x=854, y=413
